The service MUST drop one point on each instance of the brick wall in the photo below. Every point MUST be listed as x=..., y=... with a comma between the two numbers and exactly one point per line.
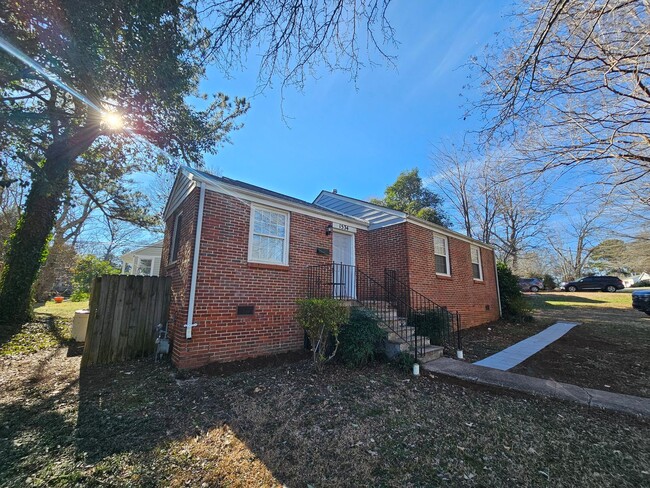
x=226, y=279
x=387, y=247
x=475, y=300
x=181, y=270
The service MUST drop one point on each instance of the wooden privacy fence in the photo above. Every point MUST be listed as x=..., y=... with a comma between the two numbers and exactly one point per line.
x=124, y=311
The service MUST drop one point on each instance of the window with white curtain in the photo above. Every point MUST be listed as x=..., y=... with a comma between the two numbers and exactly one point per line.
x=269, y=236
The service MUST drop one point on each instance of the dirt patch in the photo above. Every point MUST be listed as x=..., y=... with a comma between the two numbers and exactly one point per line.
x=226, y=369
x=137, y=424
x=604, y=356
x=488, y=339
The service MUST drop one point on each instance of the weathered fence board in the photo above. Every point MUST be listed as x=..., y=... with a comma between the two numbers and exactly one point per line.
x=124, y=311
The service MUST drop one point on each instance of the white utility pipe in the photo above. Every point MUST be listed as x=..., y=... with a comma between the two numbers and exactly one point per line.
x=195, y=264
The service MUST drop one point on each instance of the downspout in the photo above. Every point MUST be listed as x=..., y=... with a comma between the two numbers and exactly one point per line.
x=496, y=279
x=195, y=263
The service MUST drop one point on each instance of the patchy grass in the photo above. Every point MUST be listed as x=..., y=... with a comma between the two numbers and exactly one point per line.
x=42, y=333
x=136, y=424
x=63, y=310
x=50, y=328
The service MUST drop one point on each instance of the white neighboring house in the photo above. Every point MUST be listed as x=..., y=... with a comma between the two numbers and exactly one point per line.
x=628, y=282
x=144, y=261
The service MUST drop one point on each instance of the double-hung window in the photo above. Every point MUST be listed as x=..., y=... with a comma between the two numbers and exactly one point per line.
x=477, y=269
x=441, y=251
x=269, y=236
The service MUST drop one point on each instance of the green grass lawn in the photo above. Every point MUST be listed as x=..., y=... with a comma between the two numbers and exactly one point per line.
x=567, y=300
x=63, y=310
x=50, y=328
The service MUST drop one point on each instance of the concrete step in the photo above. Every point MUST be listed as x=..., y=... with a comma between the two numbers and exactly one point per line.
x=431, y=353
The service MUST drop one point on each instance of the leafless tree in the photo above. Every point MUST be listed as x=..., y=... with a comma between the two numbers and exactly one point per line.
x=293, y=38
x=577, y=76
x=521, y=214
x=574, y=240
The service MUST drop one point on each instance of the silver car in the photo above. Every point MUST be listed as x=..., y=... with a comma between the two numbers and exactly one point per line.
x=531, y=284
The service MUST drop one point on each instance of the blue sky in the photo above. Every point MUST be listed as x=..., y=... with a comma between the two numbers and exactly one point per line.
x=359, y=138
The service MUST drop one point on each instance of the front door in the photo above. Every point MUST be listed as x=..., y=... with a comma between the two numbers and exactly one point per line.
x=344, y=270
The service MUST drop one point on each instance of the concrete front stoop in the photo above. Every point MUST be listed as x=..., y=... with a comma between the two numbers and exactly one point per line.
x=390, y=322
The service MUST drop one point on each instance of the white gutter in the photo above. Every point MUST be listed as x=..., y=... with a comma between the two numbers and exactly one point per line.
x=195, y=263
x=496, y=278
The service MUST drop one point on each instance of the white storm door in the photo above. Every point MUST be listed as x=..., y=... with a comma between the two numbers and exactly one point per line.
x=344, y=270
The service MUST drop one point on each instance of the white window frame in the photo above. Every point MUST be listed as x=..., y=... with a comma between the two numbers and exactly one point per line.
x=172, y=246
x=285, y=254
x=140, y=258
x=480, y=264
x=446, y=239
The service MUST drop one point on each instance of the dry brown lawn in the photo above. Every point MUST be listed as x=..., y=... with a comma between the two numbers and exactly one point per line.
x=140, y=424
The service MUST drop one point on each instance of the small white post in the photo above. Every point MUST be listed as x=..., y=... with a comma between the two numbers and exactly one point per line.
x=459, y=354
x=416, y=369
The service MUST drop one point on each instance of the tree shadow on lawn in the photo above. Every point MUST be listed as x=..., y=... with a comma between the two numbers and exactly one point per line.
x=138, y=423
x=546, y=300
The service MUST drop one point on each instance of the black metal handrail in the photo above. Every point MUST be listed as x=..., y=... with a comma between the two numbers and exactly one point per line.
x=346, y=282
x=441, y=326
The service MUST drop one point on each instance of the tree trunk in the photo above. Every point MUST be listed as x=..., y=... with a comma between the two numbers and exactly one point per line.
x=28, y=244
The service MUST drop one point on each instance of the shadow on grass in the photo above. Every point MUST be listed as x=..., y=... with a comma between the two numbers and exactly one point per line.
x=545, y=300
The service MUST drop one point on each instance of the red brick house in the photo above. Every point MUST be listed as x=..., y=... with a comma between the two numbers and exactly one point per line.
x=240, y=256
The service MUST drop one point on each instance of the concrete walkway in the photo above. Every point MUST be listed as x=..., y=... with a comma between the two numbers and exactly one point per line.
x=517, y=353
x=536, y=386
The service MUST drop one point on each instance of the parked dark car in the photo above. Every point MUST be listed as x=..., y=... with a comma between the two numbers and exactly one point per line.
x=531, y=284
x=641, y=300
x=604, y=283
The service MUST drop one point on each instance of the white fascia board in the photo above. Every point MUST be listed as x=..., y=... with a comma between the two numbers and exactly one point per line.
x=169, y=210
x=449, y=233
x=255, y=197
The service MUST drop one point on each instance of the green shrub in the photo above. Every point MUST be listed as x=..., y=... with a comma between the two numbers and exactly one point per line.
x=360, y=338
x=513, y=302
x=79, y=296
x=549, y=282
x=87, y=269
x=404, y=362
x=639, y=284
x=434, y=324
x=322, y=319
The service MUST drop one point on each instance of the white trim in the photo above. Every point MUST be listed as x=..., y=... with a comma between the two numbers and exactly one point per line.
x=354, y=245
x=172, y=244
x=275, y=202
x=140, y=258
x=285, y=250
x=449, y=233
x=344, y=228
x=480, y=263
x=406, y=218
x=195, y=265
x=354, y=258
x=169, y=210
x=447, y=257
